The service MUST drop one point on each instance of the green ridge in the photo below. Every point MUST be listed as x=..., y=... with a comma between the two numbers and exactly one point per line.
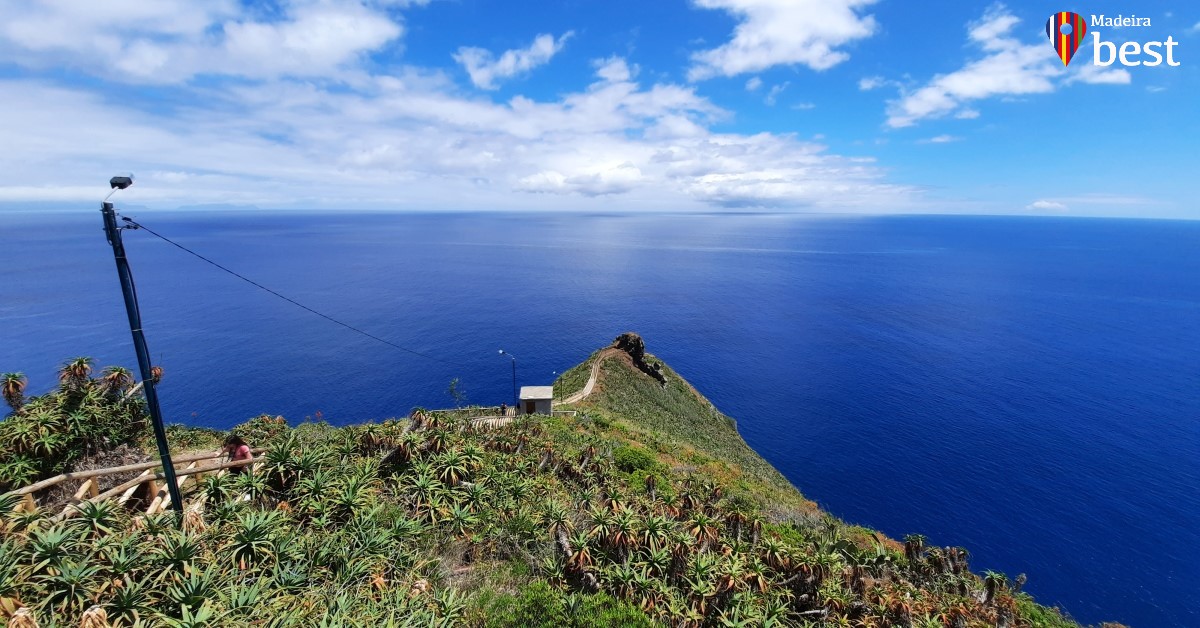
x=645, y=508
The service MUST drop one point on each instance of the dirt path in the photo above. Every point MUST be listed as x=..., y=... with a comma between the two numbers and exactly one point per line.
x=591, y=383
x=493, y=422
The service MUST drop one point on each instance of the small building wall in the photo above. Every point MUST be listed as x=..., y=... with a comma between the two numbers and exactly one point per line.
x=537, y=400
x=539, y=406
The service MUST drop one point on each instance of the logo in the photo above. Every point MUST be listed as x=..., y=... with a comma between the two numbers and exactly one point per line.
x=1066, y=31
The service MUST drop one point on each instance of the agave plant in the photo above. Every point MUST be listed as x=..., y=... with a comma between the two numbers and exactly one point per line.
x=176, y=552
x=557, y=518
x=130, y=599
x=350, y=526
x=252, y=485
x=196, y=589
x=12, y=572
x=244, y=597
x=458, y=519
x=123, y=558
x=12, y=386
x=73, y=376
x=253, y=538
x=115, y=381
x=70, y=586
x=97, y=519
x=17, y=470
x=216, y=488
x=49, y=547
x=202, y=617
x=454, y=467
x=993, y=582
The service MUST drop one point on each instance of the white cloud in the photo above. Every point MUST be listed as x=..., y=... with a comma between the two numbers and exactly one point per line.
x=172, y=41
x=776, y=90
x=783, y=32
x=485, y=69
x=804, y=106
x=1196, y=28
x=317, y=41
x=1099, y=75
x=600, y=180
x=753, y=84
x=868, y=83
x=1046, y=206
x=940, y=139
x=614, y=69
x=967, y=114
x=1008, y=68
x=412, y=140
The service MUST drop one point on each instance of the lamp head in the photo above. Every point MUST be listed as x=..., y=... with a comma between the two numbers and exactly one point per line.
x=120, y=182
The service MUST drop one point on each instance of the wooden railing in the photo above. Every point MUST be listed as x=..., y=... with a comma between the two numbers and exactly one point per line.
x=156, y=494
x=477, y=411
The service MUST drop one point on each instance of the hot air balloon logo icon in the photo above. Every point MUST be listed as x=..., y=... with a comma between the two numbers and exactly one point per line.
x=1066, y=30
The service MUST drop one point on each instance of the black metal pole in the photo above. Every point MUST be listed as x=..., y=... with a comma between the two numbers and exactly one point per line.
x=514, y=361
x=143, y=354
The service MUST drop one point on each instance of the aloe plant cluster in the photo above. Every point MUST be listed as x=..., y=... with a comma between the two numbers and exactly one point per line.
x=83, y=415
x=431, y=521
x=434, y=519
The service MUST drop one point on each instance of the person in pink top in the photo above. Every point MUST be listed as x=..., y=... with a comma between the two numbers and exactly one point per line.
x=237, y=449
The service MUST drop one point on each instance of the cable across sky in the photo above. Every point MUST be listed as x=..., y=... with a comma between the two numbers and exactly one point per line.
x=136, y=225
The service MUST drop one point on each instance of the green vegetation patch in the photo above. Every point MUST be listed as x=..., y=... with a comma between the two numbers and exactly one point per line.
x=630, y=459
x=87, y=413
x=575, y=378
x=542, y=606
x=432, y=520
x=676, y=419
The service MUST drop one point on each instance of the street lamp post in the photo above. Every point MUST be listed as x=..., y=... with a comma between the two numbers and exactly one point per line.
x=514, y=370
x=113, y=232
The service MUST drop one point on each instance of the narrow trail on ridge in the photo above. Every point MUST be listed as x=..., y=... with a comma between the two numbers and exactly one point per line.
x=493, y=422
x=591, y=382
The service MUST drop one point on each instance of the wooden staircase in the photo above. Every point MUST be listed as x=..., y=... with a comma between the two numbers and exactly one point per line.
x=148, y=484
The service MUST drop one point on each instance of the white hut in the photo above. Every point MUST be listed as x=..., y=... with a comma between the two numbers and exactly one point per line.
x=537, y=400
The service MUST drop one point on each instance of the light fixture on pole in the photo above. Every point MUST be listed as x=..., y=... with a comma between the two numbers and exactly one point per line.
x=149, y=383
x=514, y=369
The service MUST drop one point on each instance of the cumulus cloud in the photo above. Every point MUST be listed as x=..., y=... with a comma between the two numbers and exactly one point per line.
x=776, y=90
x=753, y=84
x=767, y=170
x=868, y=83
x=599, y=180
x=1008, y=67
x=485, y=69
x=172, y=41
x=940, y=139
x=1100, y=75
x=308, y=106
x=783, y=32
x=412, y=140
x=1046, y=206
x=614, y=69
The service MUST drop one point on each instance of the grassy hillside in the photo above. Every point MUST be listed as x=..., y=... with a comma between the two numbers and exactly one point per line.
x=686, y=432
x=645, y=508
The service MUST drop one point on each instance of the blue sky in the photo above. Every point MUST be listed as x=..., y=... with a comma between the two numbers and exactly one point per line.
x=802, y=105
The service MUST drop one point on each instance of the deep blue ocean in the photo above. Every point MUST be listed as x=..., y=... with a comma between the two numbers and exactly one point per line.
x=1028, y=388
